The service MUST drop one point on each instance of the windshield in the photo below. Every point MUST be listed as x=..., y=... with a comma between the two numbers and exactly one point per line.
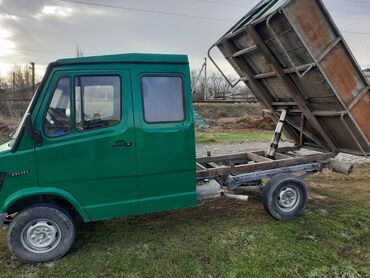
x=20, y=126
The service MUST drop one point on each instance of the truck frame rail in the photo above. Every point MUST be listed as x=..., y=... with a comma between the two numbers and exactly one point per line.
x=256, y=161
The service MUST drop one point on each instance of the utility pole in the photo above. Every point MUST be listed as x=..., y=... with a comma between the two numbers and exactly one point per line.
x=79, y=52
x=205, y=79
x=13, y=81
x=33, y=74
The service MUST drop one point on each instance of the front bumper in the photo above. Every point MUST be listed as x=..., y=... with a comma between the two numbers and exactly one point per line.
x=3, y=217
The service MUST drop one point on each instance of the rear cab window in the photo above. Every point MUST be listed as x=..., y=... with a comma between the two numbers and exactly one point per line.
x=163, y=99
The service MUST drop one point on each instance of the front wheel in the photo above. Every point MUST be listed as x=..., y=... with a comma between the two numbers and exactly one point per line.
x=285, y=197
x=41, y=233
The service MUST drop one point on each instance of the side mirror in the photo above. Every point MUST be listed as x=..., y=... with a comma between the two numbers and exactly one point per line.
x=37, y=138
x=28, y=126
x=33, y=134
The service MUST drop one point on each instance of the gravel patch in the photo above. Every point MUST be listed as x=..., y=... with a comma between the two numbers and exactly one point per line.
x=225, y=149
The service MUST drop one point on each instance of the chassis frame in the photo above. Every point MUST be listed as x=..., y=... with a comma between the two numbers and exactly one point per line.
x=249, y=168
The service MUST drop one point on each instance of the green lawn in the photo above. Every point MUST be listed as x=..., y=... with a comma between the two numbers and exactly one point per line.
x=223, y=238
x=232, y=136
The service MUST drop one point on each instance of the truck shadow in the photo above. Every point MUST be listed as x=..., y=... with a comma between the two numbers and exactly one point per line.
x=205, y=214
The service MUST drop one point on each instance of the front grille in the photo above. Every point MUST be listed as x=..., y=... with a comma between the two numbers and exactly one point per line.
x=2, y=179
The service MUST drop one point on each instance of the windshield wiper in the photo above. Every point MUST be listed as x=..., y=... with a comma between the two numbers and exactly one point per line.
x=11, y=135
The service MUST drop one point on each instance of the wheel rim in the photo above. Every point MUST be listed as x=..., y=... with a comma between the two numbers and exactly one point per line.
x=289, y=198
x=41, y=236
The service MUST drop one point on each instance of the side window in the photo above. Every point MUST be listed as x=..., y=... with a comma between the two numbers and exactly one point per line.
x=97, y=101
x=58, y=117
x=163, y=99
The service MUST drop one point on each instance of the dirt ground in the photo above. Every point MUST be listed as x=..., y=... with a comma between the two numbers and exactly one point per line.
x=226, y=238
x=234, y=116
x=7, y=126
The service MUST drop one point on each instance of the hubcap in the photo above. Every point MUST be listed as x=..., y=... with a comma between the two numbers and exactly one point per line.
x=41, y=236
x=288, y=198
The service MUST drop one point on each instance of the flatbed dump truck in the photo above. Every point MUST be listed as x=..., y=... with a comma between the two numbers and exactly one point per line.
x=112, y=136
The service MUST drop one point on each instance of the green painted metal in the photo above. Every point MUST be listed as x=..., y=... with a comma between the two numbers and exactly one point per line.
x=157, y=172
x=50, y=191
x=166, y=151
x=132, y=58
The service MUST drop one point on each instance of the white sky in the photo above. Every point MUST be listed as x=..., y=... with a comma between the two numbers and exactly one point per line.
x=45, y=30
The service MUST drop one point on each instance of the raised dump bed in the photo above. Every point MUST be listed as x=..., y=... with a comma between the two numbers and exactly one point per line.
x=292, y=56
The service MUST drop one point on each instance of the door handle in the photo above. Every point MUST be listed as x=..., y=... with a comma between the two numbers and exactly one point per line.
x=121, y=144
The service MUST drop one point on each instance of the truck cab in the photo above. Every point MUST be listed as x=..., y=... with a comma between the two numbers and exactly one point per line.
x=103, y=137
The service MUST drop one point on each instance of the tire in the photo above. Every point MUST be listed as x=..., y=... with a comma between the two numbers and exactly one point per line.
x=285, y=197
x=41, y=233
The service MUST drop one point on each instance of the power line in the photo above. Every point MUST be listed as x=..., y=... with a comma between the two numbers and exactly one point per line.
x=356, y=33
x=179, y=14
x=241, y=5
x=147, y=11
x=219, y=2
x=186, y=15
x=39, y=50
x=357, y=1
x=222, y=3
x=70, y=52
x=64, y=52
x=352, y=18
x=348, y=12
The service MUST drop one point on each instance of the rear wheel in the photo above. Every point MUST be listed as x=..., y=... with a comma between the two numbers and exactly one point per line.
x=285, y=197
x=41, y=233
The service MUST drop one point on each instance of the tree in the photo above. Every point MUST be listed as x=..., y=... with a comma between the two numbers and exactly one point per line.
x=2, y=83
x=217, y=86
x=194, y=76
x=20, y=77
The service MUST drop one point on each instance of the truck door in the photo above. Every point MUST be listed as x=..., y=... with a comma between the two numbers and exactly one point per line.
x=164, y=138
x=88, y=144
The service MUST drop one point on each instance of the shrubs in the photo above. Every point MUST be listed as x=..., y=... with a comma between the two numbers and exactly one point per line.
x=234, y=116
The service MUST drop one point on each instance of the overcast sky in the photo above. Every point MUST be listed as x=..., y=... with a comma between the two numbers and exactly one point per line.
x=45, y=30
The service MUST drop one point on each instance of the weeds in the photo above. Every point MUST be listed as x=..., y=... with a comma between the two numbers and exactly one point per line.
x=224, y=238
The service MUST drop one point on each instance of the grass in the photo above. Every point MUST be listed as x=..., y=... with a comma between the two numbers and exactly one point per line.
x=232, y=136
x=223, y=238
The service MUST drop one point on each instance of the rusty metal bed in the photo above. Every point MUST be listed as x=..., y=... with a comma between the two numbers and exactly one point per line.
x=293, y=57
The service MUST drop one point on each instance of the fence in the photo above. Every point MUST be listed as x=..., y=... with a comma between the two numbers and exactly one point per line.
x=14, y=104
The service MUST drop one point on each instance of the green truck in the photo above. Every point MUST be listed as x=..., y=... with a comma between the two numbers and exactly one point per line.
x=107, y=137
x=98, y=141
x=112, y=136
